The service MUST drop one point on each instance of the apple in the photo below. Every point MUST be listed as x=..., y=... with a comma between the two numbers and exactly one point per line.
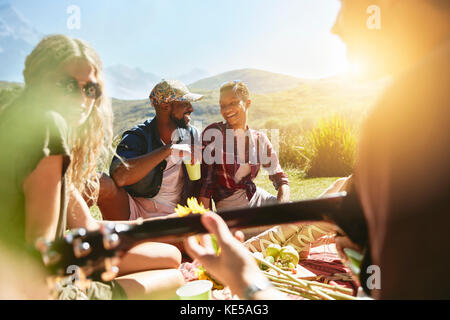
x=273, y=250
x=269, y=259
x=289, y=254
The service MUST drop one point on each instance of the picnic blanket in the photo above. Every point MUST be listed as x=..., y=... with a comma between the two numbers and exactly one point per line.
x=323, y=261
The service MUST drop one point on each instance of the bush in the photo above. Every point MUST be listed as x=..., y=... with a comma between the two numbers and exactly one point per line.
x=330, y=148
x=290, y=148
x=272, y=124
x=291, y=152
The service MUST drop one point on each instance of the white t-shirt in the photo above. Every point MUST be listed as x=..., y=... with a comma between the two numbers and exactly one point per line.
x=173, y=176
x=172, y=184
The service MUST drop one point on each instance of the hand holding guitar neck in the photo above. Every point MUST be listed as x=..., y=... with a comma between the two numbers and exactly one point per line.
x=96, y=253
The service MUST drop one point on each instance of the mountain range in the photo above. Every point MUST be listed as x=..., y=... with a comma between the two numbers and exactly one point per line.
x=277, y=100
x=128, y=83
x=296, y=108
x=18, y=37
x=258, y=81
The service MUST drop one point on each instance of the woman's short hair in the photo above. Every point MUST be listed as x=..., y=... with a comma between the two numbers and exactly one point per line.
x=238, y=87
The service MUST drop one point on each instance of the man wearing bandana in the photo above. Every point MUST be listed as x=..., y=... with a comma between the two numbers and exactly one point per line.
x=147, y=175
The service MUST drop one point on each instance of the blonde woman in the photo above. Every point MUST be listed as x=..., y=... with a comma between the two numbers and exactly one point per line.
x=53, y=138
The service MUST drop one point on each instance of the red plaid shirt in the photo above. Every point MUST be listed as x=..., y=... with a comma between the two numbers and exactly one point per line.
x=218, y=178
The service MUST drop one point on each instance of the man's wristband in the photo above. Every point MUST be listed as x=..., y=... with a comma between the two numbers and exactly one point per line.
x=255, y=287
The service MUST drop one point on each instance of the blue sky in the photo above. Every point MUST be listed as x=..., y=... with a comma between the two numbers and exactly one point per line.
x=171, y=37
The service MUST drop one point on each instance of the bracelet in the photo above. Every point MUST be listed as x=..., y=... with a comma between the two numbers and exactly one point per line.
x=260, y=285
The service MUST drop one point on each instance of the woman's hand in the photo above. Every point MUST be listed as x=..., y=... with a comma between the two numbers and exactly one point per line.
x=235, y=266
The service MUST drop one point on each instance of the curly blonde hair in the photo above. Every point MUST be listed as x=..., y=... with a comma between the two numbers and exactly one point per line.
x=91, y=143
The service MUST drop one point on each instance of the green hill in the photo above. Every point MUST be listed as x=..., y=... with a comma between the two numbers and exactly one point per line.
x=8, y=92
x=258, y=81
x=10, y=85
x=296, y=108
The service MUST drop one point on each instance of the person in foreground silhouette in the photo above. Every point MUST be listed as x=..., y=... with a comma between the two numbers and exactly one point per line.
x=402, y=174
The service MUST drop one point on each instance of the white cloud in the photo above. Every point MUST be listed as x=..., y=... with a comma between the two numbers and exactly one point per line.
x=13, y=24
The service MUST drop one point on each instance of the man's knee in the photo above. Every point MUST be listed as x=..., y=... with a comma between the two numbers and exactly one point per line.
x=262, y=198
x=112, y=200
x=108, y=188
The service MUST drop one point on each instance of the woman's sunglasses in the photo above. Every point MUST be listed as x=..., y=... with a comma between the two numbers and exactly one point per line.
x=70, y=86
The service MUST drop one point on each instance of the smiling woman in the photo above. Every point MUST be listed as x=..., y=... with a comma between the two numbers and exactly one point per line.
x=54, y=114
x=55, y=135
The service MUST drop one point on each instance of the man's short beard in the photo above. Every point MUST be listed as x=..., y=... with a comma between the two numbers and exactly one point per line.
x=180, y=123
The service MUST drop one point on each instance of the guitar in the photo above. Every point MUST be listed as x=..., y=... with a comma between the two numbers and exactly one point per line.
x=96, y=253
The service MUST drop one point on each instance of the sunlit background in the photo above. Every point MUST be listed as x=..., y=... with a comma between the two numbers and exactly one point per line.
x=295, y=68
x=184, y=39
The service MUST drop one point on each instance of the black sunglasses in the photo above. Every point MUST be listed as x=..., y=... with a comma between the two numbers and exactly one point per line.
x=70, y=86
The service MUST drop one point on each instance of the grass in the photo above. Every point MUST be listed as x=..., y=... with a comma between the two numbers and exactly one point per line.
x=96, y=213
x=301, y=188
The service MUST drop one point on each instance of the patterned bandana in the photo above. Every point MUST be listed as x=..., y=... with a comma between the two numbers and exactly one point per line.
x=172, y=90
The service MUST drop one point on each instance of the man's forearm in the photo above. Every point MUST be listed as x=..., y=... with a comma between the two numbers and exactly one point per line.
x=139, y=167
x=284, y=193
